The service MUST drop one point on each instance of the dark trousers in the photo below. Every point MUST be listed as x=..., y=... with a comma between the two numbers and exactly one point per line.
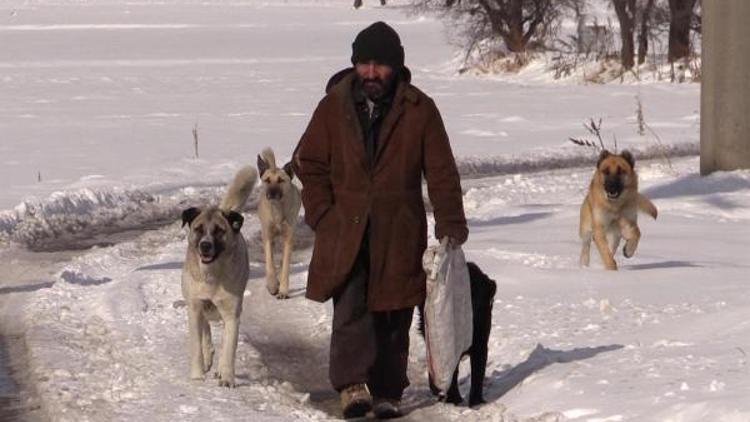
x=368, y=347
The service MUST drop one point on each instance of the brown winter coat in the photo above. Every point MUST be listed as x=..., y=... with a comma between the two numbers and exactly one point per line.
x=342, y=193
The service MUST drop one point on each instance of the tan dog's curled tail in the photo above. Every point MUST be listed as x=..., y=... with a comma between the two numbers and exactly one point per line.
x=645, y=205
x=269, y=157
x=239, y=190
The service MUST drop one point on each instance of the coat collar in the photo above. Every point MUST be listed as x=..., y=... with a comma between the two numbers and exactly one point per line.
x=339, y=86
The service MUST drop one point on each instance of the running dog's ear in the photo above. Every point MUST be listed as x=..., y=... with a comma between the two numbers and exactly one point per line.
x=289, y=170
x=262, y=166
x=602, y=156
x=235, y=220
x=189, y=215
x=628, y=157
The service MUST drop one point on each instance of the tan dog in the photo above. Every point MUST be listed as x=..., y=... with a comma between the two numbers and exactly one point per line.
x=278, y=208
x=215, y=275
x=610, y=210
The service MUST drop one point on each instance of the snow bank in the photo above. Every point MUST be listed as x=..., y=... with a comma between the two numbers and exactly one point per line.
x=67, y=218
x=548, y=159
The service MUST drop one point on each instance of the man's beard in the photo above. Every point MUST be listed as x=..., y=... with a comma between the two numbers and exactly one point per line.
x=374, y=88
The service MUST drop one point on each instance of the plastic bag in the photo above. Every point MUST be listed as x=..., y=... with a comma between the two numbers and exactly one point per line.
x=447, y=311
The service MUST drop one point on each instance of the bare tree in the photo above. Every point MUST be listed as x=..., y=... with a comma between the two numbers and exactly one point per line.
x=516, y=22
x=697, y=22
x=681, y=18
x=644, y=29
x=579, y=8
x=626, y=15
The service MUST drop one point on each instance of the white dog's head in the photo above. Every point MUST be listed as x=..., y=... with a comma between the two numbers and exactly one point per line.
x=212, y=231
x=276, y=181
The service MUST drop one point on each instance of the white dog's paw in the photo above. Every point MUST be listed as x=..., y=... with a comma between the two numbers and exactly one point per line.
x=282, y=295
x=225, y=380
x=227, y=383
x=196, y=374
x=272, y=285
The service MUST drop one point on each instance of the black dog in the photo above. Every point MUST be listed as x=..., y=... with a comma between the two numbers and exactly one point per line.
x=482, y=297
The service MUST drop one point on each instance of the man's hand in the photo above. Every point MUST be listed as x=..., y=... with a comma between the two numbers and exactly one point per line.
x=449, y=242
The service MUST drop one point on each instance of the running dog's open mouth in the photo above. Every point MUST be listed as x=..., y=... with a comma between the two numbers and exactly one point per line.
x=613, y=195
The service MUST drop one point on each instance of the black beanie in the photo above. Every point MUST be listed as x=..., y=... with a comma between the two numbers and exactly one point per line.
x=381, y=43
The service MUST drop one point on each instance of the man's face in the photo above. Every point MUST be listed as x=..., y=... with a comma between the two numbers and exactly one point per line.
x=374, y=77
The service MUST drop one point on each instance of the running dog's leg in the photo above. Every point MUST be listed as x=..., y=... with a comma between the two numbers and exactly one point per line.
x=632, y=235
x=584, y=232
x=600, y=238
x=585, y=248
x=614, y=242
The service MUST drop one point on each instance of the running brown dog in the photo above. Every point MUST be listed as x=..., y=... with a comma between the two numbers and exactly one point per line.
x=610, y=211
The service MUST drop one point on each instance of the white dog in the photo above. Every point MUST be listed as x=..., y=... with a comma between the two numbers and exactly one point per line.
x=215, y=275
x=278, y=208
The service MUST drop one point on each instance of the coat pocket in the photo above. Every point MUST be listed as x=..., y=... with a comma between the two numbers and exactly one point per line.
x=407, y=242
x=327, y=238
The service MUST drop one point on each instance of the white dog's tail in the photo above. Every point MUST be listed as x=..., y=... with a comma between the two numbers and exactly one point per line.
x=268, y=156
x=239, y=190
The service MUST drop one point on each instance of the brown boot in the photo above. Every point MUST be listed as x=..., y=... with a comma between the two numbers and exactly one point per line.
x=355, y=401
x=386, y=408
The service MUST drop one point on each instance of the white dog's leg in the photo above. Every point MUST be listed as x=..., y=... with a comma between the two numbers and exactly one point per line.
x=230, y=316
x=272, y=284
x=195, y=333
x=207, y=345
x=285, y=262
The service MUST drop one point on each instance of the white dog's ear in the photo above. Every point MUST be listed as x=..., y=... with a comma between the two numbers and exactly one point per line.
x=262, y=166
x=189, y=215
x=235, y=220
x=289, y=169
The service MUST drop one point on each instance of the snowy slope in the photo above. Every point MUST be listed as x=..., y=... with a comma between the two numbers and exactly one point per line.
x=126, y=82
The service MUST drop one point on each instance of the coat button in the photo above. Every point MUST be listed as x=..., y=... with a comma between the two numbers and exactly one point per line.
x=355, y=220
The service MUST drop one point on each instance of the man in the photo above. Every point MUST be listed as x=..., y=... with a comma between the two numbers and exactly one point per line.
x=361, y=162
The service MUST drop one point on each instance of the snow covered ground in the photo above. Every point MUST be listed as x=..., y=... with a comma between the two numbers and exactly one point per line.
x=99, y=98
